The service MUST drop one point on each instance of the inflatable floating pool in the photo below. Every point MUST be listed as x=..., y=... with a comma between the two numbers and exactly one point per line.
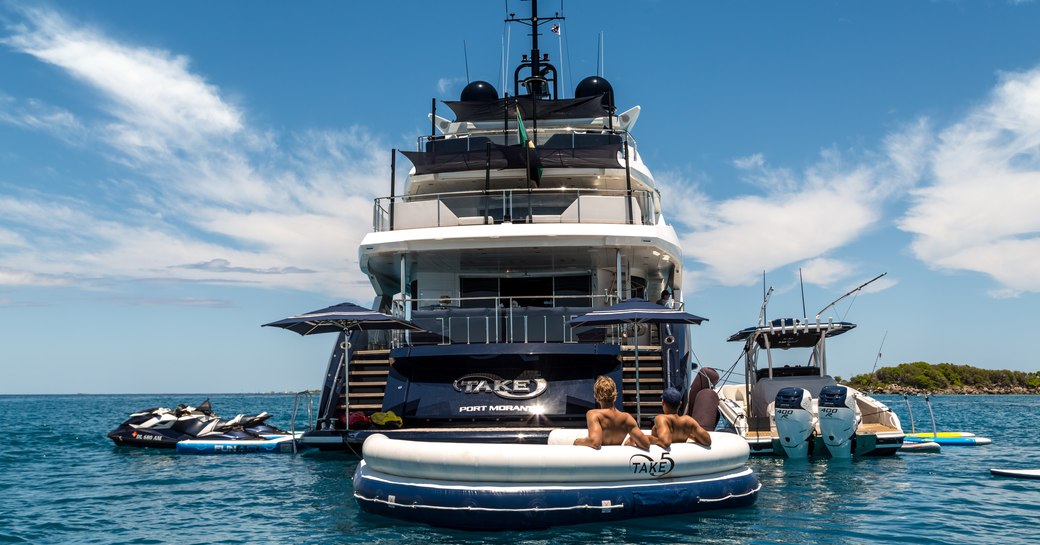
x=515, y=486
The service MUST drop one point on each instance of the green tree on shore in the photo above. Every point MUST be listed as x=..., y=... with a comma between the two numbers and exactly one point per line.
x=944, y=377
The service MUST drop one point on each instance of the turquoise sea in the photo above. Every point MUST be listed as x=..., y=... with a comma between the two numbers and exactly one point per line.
x=62, y=481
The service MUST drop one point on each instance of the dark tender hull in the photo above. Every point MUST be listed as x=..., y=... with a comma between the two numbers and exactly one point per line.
x=498, y=506
x=126, y=436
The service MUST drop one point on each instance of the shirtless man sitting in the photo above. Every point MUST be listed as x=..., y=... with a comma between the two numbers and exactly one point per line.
x=670, y=428
x=607, y=425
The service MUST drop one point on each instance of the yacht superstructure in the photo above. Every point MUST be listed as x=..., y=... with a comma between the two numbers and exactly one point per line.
x=522, y=212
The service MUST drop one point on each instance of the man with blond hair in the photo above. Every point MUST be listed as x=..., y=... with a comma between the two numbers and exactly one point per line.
x=607, y=425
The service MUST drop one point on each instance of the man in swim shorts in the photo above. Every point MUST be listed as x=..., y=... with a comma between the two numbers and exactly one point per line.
x=608, y=425
x=670, y=427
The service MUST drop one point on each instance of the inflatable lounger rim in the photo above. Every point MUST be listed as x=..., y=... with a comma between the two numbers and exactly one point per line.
x=503, y=506
x=500, y=462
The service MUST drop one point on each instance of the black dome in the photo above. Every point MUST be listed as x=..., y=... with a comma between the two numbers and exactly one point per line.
x=595, y=85
x=478, y=91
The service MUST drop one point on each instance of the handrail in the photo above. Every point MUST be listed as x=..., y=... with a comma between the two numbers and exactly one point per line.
x=308, y=395
x=497, y=319
x=535, y=205
x=509, y=135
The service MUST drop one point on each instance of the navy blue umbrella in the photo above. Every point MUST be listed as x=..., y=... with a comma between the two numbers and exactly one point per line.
x=342, y=318
x=635, y=311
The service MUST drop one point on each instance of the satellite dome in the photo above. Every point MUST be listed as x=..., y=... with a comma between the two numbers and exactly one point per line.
x=595, y=85
x=478, y=91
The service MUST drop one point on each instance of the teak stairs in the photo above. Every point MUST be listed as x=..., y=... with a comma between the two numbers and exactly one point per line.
x=650, y=385
x=366, y=380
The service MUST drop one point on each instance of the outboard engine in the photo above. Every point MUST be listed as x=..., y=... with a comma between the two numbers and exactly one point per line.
x=795, y=422
x=839, y=418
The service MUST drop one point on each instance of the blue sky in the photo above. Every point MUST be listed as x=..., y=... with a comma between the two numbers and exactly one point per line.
x=173, y=175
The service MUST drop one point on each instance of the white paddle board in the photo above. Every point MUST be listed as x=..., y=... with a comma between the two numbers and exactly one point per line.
x=1020, y=473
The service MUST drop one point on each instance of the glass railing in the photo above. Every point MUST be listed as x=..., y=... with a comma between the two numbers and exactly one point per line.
x=527, y=319
x=544, y=137
x=515, y=206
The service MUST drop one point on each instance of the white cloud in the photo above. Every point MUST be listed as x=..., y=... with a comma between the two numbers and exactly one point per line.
x=825, y=271
x=11, y=238
x=757, y=172
x=157, y=103
x=34, y=115
x=794, y=218
x=979, y=211
x=11, y=277
x=753, y=161
x=206, y=197
x=447, y=85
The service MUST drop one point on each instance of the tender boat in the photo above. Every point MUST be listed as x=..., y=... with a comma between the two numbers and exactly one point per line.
x=478, y=486
x=524, y=211
x=796, y=409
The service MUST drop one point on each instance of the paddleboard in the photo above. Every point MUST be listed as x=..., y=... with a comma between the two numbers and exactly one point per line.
x=942, y=434
x=926, y=446
x=952, y=441
x=1019, y=473
x=270, y=443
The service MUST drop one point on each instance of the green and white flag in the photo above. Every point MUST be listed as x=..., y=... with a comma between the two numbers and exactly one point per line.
x=521, y=132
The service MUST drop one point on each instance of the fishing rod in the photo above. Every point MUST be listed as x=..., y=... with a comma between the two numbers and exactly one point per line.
x=861, y=286
x=765, y=301
x=878, y=358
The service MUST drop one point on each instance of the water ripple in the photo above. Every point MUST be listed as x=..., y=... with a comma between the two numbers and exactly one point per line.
x=62, y=485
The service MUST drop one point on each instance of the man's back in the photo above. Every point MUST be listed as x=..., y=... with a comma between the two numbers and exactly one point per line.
x=672, y=428
x=610, y=427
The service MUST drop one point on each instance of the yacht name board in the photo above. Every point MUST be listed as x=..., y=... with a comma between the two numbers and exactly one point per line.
x=481, y=383
x=532, y=409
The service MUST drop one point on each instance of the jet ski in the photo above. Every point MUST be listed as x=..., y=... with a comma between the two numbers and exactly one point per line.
x=160, y=427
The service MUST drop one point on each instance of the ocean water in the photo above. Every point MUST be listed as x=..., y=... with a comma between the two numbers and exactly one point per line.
x=63, y=481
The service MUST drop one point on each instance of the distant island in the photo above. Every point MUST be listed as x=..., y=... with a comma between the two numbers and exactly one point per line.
x=945, y=378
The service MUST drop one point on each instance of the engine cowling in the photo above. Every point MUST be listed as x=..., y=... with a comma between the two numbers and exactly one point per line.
x=795, y=422
x=839, y=419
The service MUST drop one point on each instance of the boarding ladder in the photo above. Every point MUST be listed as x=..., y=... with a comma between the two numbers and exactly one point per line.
x=366, y=381
x=649, y=385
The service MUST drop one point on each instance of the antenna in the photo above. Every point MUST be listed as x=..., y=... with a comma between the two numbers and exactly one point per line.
x=542, y=71
x=861, y=286
x=465, y=55
x=802, y=285
x=505, y=52
x=600, y=68
x=563, y=65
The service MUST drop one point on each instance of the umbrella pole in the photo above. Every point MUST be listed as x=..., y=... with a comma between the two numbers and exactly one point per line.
x=639, y=405
x=346, y=378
